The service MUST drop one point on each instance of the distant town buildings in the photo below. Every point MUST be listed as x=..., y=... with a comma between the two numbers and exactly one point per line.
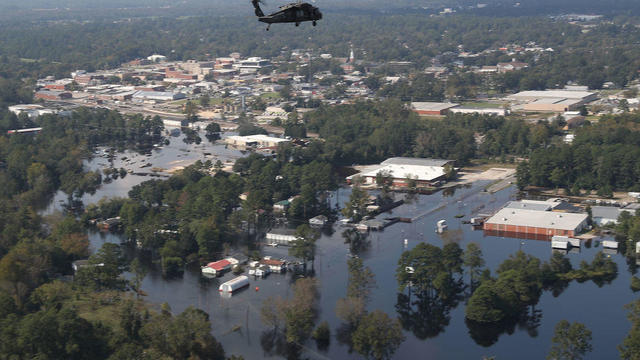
x=31, y=110
x=53, y=95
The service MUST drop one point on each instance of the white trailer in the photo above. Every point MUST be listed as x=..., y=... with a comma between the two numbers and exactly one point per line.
x=281, y=239
x=234, y=285
x=560, y=244
x=610, y=244
x=441, y=226
x=572, y=241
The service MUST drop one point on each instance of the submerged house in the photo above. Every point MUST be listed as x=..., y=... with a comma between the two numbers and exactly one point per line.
x=217, y=267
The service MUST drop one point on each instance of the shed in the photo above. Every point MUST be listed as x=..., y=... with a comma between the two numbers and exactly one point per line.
x=234, y=285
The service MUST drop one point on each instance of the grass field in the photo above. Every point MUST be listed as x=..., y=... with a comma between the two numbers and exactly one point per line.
x=270, y=96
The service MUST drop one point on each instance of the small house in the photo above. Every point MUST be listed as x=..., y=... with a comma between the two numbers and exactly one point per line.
x=81, y=264
x=319, y=220
x=110, y=224
x=281, y=206
x=216, y=268
x=237, y=259
x=277, y=266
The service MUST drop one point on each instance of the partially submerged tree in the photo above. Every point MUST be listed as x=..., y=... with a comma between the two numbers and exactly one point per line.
x=378, y=336
x=570, y=341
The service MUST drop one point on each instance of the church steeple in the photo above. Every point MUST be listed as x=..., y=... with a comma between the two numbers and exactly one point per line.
x=352, y=57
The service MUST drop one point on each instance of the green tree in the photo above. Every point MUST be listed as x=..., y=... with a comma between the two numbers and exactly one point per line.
x=361, y=279
x=301, y=311
x=322, y=335
x=484, y=305
x=204, y=100
x=104, y=270
x=190, y=110
x=212, y=128
x=186, y=336
x=377, y=336
x=139, y=272
x=623, y=105
x=473, y=260
x=523, y=175
x=23, y=269
x=570, y=341
x=56, y=334
x=630, y=347
x=356, y=207
x=304, y=247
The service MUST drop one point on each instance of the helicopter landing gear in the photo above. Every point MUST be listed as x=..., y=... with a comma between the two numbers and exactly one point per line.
x=297, y=24
x=314, y=23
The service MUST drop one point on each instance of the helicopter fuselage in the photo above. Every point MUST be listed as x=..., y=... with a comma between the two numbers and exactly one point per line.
x=290, y=13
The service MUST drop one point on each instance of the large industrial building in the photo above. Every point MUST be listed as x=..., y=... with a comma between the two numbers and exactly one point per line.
x=552, y=100
x=481, y=111
x=255, y=141
x=425, y=172
x=534, y=222
x=431, y=108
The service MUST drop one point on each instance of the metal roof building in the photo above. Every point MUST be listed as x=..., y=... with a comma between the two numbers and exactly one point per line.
x=603, y=215
x=423, y=171
x=415, y=161
x=533, y=95
x=431, y=108
x=545, y=223
x=255, y=140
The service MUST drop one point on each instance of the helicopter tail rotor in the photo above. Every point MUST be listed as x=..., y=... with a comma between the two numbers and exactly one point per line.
x=256, y=6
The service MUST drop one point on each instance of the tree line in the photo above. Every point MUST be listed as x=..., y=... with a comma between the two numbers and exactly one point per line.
x=603, y=157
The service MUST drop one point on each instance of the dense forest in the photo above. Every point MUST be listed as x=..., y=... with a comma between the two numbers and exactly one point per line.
x=369, y=132
x=95, y=316
x=603, y=157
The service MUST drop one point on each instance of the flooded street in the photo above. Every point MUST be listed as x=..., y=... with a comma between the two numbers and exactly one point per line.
x=236, y=320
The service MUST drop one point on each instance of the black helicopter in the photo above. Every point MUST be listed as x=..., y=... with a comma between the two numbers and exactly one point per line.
x=296, y=12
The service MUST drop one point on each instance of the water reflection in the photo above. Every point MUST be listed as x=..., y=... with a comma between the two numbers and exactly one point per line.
x=274, y=343
x=424, y=317
x=487, y=334
x=358, y=242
